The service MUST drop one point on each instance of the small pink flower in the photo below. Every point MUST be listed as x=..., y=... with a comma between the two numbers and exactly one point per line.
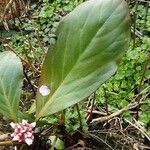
x=44, y=90
x=23, y=132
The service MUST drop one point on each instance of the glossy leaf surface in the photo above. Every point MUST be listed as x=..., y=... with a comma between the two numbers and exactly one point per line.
x=91, y=40
x=11, y=77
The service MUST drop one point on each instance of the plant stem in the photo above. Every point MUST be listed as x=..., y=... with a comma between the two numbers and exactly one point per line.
x=62, y=117
x=106, y=100
x=140, y=85
x=79, y=116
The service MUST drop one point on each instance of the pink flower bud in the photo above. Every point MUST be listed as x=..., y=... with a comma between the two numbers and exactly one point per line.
x=23, y=132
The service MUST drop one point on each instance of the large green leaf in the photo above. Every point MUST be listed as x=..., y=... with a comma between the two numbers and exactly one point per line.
x=11, y=77
x=91, y=40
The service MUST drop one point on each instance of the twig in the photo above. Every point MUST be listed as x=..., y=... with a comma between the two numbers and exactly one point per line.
x=139, y=127
x=99, y=140
x=91, y=109
x=97, y=112
x=28, y=60
x=9, y=143
x=106, y=100
x=32, y=49
x=32, y=86
x=106, y=118
x=119, y=112
x=39, y=41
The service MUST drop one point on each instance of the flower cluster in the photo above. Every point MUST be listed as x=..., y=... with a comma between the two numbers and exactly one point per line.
x=23, y=132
